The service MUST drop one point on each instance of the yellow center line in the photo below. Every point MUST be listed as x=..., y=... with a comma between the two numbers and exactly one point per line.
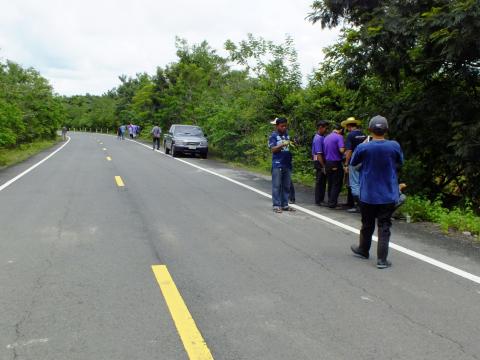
x=119, y=181
x=192, y=340
x=109, y=158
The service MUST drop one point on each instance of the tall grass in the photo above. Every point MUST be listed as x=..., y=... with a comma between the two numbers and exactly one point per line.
x=461, y=219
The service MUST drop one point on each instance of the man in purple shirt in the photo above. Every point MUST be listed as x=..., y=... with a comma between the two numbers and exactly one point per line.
x=319, y=162
x=334, y=147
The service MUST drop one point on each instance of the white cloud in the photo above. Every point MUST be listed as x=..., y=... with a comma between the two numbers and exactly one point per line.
x=84, y=46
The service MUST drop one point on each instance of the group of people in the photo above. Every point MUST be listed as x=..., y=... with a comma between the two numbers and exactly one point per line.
x=331, y=156
x=369, y=163
x=133, y=131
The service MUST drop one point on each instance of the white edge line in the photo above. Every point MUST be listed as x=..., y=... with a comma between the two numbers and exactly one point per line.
x=11, y=181
x=404, y=250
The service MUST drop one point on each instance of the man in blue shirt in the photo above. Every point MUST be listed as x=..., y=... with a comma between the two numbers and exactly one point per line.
x=318, y=158
x=123, y=129
x=278, y=143
x=380, y=160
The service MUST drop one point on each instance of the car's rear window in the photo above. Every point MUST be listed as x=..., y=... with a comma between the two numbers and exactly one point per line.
x=188, y=130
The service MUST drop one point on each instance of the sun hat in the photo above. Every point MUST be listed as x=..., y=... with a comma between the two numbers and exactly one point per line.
x=350, y=121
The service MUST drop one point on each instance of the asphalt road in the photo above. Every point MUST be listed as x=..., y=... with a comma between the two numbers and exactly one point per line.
x=76, y=282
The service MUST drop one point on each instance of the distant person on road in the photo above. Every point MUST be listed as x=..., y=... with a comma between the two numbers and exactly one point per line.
x=123, y=129
x=131, y=130
x=334, y=147
x=379, y=188
x=278, y=143
x=64, y=133
x=354, y=138
x=156, y=134
x=318, y=158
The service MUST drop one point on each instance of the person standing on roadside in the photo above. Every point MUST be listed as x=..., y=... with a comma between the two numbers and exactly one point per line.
x=278, y=143
x=379, y=189
x=131, y=130
x=318, y=157
x=354, y=138
x=156, y=133
x=123, y=129
x=64, y=133
x=334, y=147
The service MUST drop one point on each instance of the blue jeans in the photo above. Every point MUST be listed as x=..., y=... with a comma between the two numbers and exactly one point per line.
x=354, y=180
x=281, y=181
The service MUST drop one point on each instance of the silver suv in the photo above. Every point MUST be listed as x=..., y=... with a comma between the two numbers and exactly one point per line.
x=185, y=139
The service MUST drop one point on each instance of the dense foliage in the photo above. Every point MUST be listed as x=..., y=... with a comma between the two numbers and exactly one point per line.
x=417, y=62
x=29, y=110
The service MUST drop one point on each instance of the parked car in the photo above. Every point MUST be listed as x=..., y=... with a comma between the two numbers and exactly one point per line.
x=185, y=139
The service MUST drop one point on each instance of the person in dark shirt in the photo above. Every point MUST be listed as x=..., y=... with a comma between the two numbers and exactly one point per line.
x=354, y=138
x=379, y=191
x=64, y=133
x=156, y=134
x=334, y=147
x=278, y=143
x=318, y=158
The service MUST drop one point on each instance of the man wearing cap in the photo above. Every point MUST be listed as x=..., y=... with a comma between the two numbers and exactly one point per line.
x=379, y=193
x=354, y=138
x=278, y=143
x=334, y=147
x=319, y=161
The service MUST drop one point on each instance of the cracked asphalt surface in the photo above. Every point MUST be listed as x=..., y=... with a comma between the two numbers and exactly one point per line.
x=76, y=282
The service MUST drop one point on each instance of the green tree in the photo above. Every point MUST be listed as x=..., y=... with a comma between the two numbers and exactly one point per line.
x=417, y=63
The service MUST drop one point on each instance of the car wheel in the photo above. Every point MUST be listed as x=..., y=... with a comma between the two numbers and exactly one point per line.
x=174, y=153
x=204, y=156
x=165, y=147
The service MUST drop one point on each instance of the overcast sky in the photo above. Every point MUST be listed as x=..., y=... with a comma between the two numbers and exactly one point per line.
x=83, y=46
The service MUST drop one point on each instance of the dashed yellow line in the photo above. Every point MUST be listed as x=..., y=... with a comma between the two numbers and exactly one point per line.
x=192, y=340
x=119, y=181
x=109, y=158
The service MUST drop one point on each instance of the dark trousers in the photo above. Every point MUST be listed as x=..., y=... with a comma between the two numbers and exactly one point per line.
x=320, y=186
x=156, y=142
x=334, y=180
x=291, y=194
x=350, y=198
x=383, y=214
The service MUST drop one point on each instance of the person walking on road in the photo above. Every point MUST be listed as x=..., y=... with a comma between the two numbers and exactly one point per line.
x=131, y=130
x=319, y=162
x=379, y=189
x=354, y=138
x=278, y=143
x=64, y=133
x=156, y=133
x=123, y=129
x=334, y=147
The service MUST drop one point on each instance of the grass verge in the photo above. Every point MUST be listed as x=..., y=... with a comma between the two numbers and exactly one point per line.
x=421, y=209
x=22, y=152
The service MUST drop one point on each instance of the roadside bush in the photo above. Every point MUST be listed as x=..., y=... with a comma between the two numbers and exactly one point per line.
x=422, y=209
